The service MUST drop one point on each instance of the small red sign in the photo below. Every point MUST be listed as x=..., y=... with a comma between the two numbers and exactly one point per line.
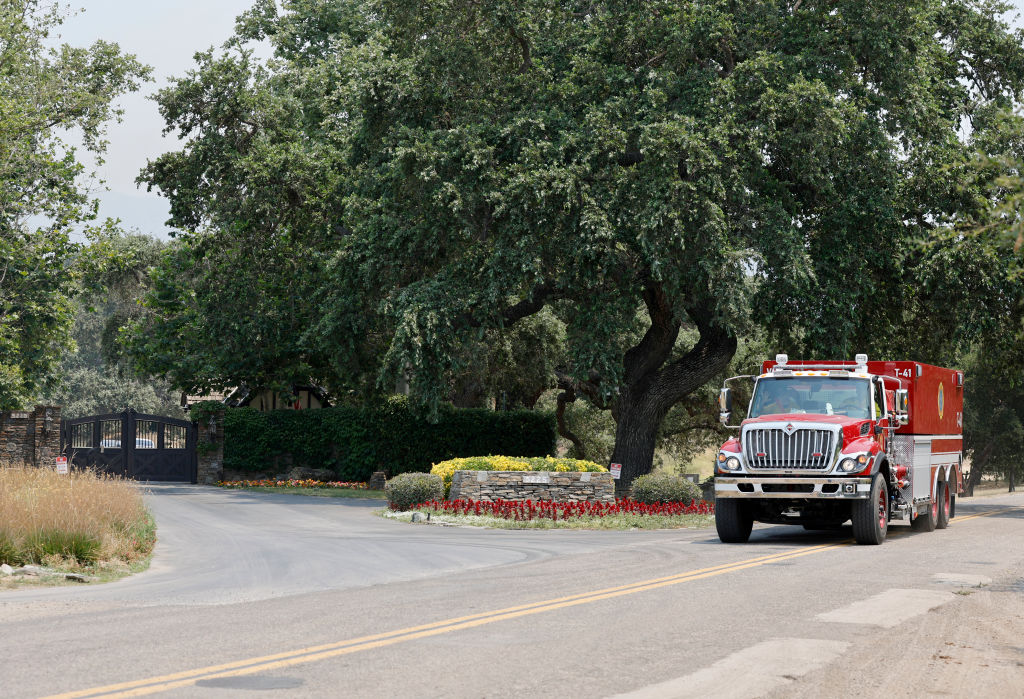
x=616, y=470
x=62, y=464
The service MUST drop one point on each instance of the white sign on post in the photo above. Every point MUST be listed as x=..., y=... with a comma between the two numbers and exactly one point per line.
x=616, y=470
x=62, y=464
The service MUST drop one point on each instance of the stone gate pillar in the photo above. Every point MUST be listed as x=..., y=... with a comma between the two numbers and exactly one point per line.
x=30, y=438
x=210, y=447
x=47, y=437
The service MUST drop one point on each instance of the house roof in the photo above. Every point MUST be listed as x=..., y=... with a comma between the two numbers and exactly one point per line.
x=188, y=401
x=243, y=395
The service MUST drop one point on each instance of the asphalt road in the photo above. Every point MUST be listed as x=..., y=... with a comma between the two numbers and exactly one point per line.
x=254, y=594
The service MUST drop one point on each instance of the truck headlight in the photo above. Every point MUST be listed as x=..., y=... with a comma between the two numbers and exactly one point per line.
x=849, y=466
x=732, y=464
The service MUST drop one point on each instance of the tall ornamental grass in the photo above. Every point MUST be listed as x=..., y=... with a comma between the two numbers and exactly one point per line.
x=79, y=518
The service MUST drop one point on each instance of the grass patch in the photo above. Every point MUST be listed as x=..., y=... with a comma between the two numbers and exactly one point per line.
x=620, y=522
x=82, y=522
x=334, y=489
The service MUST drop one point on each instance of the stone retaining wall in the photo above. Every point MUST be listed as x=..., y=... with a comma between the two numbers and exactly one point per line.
x=30, y=438
x=533, y=485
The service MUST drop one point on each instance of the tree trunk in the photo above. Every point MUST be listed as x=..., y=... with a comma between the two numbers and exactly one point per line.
x=979, y=460
x=636, y=435
x=653, y=383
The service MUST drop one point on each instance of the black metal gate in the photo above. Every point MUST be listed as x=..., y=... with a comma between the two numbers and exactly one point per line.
x=132, y=445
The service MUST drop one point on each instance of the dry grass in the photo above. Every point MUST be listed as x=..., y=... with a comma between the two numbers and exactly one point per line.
x=72, y=520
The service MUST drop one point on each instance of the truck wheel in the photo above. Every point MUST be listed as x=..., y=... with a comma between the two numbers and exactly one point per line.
x=732, y=520
x=929, y=519
x=871, y=516
x=944, y=507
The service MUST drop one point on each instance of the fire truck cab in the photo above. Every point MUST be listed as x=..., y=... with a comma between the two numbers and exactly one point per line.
x=826, y=442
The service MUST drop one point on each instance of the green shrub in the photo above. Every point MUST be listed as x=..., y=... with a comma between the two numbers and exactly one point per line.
x=407, y=490
x=446, y=469
x=395, y=437
x=10, y=552
x=663, y=487
x=80, y=546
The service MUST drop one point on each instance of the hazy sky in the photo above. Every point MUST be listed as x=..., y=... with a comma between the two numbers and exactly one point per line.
x=164, y=35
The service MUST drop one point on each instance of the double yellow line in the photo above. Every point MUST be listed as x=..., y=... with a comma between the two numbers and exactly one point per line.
x=311, y=654
x=364, y=643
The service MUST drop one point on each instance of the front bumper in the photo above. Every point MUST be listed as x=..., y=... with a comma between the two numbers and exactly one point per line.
x=793, y=488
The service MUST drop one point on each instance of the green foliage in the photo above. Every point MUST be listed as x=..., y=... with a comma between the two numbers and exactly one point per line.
x=100, y=390
x=444, y=170
x=396, y=437
x=46, y=91
x=113, y=270
x=36, y=312
x=994, y=412
x=80, y=546
x=205, y=409
x=10, y=552
x=220, y=316
x=447, y=469
x=663, y=487
x=406, y=490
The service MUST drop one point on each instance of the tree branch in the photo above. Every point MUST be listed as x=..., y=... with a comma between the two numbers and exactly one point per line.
x=656, y=346
x=538, y=298
x=630, y=158
x=524, y=46
x=568, y=395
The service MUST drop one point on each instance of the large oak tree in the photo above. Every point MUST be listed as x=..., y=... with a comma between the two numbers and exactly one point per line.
x=454, y=167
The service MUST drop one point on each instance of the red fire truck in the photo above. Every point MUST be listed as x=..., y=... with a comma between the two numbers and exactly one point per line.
x=826, y=442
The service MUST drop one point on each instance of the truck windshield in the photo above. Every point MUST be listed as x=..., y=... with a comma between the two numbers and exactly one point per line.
x=820, y=395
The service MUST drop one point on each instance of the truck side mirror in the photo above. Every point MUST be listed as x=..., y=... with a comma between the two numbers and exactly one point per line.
x=902, y=406
x=724, y=405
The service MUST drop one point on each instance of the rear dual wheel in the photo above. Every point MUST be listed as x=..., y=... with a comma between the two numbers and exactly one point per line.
x=943, y=501
x=928, y=520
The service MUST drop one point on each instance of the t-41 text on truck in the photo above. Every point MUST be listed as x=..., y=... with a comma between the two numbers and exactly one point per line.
x=825, y=442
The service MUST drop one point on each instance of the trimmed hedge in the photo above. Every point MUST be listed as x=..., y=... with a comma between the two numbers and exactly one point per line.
x=663, y=487
x=406, y=490
x=355, y=442
x=447, y=469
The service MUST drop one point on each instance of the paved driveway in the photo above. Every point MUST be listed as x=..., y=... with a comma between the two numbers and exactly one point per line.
x=309, y=597
x=224, y=546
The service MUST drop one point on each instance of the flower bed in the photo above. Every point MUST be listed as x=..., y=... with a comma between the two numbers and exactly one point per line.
x=293, y=483
x=529, y=510
x=446, y=469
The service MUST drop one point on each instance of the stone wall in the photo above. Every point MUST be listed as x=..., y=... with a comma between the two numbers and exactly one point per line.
x=532, y=485
x=210, y=448
x=30, y=437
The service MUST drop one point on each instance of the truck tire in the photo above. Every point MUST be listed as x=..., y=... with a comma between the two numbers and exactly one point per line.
x=871, y=516
x=929, y=519
x=944, y=506
x=732, y=520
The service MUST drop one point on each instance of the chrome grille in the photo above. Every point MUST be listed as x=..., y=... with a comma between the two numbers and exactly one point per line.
x=772, y=449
